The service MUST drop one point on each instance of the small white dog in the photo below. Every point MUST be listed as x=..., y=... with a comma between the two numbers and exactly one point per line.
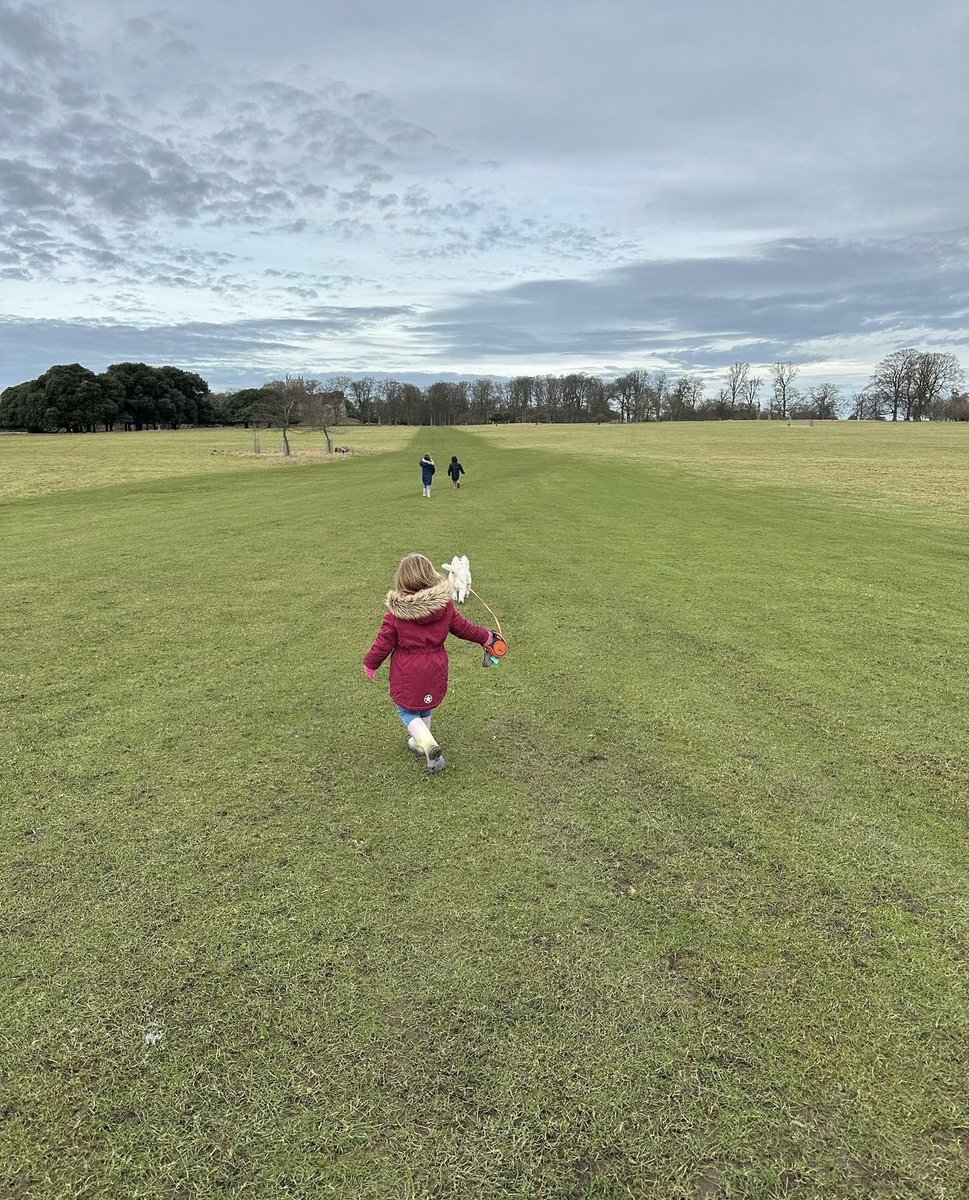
x=459, y=576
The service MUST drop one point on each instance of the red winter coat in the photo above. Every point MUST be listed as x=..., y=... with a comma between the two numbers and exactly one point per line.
x=413, y=634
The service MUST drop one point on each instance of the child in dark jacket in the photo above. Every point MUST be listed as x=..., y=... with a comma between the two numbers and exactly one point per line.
x=455, y=470
x=427, y=473
x=420, y=615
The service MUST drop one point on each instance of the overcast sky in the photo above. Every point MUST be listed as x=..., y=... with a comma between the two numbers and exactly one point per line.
x=248, y=188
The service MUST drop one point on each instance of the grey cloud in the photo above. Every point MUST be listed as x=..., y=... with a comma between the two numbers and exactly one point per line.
x=231, y=153
x=533, y=239
x=30, y=32
x=131, y=142
x=76, y=93
x=219, y=352
x=136, y=191
x=20, y=104
x=177, y=47
x=371, y=174
x=26, y=187
x=750, y=115
x=348, y=228
x=328, y=284
x=360, y=314
x=156, y=150
x=773, y=303
x=646, y=76
x=351, y=201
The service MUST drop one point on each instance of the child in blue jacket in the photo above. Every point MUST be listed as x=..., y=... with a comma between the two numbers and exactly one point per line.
x=427, y=473
x=455, y=470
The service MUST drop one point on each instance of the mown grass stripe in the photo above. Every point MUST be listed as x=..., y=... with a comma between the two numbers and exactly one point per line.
x=685, y=915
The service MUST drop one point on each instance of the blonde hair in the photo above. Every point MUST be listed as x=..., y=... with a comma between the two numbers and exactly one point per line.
x=415, y=573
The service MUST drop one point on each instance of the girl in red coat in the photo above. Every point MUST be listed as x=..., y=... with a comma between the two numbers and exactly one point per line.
x=420, y=615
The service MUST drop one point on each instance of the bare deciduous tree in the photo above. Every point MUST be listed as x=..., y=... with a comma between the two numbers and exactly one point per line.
x=684, y=398
x=913, y=382
x=631, y=395
x=281, y=405
x=485, y=395
x=322, y=408
x=751, y=387
x=893, y=379
x=824, y=399
x=736, y=386
x=783, y=375
x=867, y=405
x=364, y=392
x=295, y=400
x=935, y=378
x=955, y=408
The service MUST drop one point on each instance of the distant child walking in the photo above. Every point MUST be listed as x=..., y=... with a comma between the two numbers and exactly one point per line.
x=420, y=615
x=455, y=470
x=427, y=473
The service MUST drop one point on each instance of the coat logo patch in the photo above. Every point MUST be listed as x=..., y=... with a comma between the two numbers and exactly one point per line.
x=428, y=699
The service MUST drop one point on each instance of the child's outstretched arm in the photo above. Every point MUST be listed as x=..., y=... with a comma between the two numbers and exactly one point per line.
x=463, y=628
x=384, y=643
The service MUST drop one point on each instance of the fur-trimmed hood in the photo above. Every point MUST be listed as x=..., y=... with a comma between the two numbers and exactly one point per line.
x=417, y=606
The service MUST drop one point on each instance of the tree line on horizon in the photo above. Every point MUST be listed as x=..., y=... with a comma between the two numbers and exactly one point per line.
x=136, y=396
x=907, y=385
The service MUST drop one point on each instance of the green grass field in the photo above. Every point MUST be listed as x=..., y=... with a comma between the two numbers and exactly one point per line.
x=685, y=917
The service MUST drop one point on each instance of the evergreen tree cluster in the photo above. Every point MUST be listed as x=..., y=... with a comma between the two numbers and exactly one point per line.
x=127, y=395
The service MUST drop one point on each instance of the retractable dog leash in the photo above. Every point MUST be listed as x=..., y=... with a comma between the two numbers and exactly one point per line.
x=499, y=647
